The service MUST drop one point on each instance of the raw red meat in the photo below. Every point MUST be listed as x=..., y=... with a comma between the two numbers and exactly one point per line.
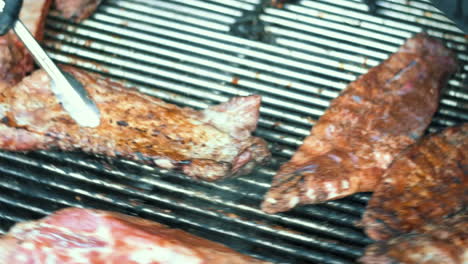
x=73, y=235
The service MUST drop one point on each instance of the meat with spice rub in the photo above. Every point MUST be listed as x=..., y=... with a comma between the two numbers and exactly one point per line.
x=209, y=144
x=427, y=183
x=372, y=121
x=442, y=243
x=75, y=235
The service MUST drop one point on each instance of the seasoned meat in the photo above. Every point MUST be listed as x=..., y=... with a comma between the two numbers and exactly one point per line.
x=278, y=3
x=428, y=182
x=76, y=10
x=443, y=243
x=209, y=144
x=373, y=120
x=75, y=235
x=15, y=60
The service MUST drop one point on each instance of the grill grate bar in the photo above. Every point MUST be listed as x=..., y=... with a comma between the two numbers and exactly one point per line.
x=337, y=36
x=232, y=188
x=207, y=62
x=184, y=12
x=298, y=14
x=250, y=84
x=8, y=213
x=178, y=88
x=419, y=6
x=109, y=198
x=210, y=34
x=210, y=6
x=127, y=62
x=287, y=27
x=432, y=13
x=336, y=13
x=356, y=24
x=236, y=185
x=451, y=113
x=229, y=49
x=208, y=73
x=215, y=5
x=191, y=195
x=142, y=13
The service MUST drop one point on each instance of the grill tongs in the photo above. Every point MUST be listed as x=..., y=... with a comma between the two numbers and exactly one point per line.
x=69, y=91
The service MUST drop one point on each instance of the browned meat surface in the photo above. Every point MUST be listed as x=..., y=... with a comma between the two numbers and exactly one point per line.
x=428, y=182
x=90, y=236
x=77, y=10
x=444, y=243
x=15, y=60
x=278, y=3
x=373, y=120
x=209, y=144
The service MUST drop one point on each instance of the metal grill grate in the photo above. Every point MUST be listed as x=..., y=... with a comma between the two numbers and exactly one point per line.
x=197, y=53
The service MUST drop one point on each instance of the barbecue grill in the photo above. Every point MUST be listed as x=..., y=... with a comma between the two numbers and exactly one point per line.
x=201, y=52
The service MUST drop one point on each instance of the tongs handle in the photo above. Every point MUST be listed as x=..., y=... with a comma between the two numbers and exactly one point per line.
x=9, y=13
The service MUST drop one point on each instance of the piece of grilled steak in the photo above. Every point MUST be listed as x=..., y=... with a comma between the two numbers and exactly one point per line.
x=373, y=120
x=443, y=243
x=15, y=59
x=76, y=10
x=210, y=144
x=75, y=235
x=427, y=182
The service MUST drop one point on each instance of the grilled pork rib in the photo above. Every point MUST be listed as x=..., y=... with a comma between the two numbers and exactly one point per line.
x=210, y=144
x=443, y=243
x=373, y=120
x=428, y=182
x=76, y=10
x=75, y=235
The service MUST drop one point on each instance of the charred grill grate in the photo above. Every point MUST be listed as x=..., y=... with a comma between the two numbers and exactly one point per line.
x=198, y=53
